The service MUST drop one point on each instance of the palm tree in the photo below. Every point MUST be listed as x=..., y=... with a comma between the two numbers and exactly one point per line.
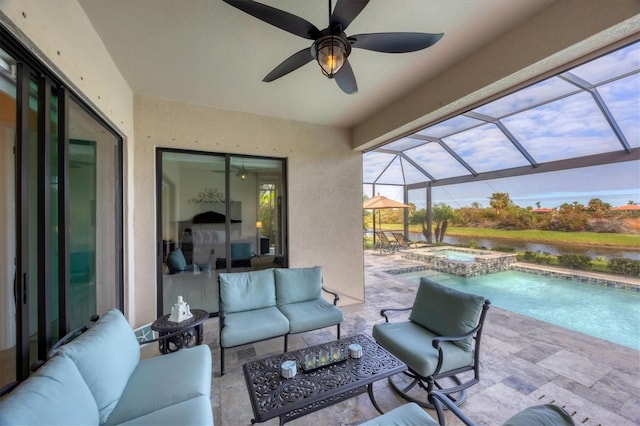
x=442, y=214
x=500, y=201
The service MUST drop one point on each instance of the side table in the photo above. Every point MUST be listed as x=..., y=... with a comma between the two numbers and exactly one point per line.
x=185, y=334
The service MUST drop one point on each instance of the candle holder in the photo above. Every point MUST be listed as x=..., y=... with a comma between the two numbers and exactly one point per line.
x=355, y=350
x=335, y=353
x=325, y=357
x=288, y=369
x=309, y=362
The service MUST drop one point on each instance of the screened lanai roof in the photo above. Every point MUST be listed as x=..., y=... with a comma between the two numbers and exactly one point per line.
x=588, y=115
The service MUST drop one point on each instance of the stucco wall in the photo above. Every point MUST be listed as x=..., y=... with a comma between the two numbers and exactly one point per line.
x=324, y=184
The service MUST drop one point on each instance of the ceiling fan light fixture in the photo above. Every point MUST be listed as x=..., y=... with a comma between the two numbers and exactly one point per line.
x=331, y=52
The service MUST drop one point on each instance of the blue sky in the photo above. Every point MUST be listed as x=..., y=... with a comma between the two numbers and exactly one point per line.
x=615, y=184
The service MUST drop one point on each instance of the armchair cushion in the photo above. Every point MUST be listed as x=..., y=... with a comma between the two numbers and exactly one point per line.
x=540, y=415
x=446, y=311
x=105, y=355
x=247, y=291
x=405, y=415
x=411, y=343
x=295, y=285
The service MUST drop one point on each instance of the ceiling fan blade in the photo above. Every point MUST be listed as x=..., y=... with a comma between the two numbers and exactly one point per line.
x=292, y=63
x=346, y=79
x=394, y=42
x=278, y=18
x=346, y=11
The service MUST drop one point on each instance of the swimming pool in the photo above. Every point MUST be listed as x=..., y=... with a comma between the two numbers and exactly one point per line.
x=457, y=256
x=607, y=313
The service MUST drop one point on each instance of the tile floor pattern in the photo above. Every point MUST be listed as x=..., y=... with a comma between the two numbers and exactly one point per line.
x=524, y=362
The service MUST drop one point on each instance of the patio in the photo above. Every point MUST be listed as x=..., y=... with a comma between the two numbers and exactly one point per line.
x=524, y=362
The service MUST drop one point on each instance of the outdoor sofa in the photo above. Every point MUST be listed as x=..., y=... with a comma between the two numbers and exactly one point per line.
x=99, y=379
x=275, y=302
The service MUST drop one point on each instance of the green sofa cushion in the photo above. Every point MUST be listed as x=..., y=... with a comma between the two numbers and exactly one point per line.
x=186, y=374
x=540, y=415
x=56, y=394
x=311, y=315
x=245, y=291
x=409, y=414
x=195, y=411
x=446, y=311
x=412, y=344
x=105, y=355
x=295, y=285
x=252, y=326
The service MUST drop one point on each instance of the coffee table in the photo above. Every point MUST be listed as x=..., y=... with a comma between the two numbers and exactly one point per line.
x=272, y=395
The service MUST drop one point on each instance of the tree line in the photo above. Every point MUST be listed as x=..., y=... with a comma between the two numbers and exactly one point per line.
x=503, y=213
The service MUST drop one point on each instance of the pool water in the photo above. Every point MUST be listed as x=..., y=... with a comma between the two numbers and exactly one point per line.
x=457, y=256
x=607, y=313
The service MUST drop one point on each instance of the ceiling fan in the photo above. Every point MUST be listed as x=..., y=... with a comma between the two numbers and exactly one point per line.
x=241, y=171
x=331, y=46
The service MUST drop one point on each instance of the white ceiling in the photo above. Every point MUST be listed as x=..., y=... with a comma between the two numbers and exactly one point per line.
x=208, y=53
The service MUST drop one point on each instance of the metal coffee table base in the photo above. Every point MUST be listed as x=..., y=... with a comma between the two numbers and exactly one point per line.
x=272, y=395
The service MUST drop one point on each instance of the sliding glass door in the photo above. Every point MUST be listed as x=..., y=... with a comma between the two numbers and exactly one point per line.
x=60, y=213
x=216, y=213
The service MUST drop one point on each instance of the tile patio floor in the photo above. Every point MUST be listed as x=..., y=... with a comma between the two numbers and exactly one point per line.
x=523, y=362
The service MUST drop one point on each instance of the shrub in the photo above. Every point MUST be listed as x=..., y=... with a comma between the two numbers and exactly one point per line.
x=574, y=261
x=537, y=257
x=614, y=225
x=624, y=266
x=504, y=249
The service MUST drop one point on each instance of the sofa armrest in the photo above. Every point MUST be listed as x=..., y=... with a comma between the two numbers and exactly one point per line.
x=335, y=295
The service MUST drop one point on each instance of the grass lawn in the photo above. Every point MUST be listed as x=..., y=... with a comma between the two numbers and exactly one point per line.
x=534, y=235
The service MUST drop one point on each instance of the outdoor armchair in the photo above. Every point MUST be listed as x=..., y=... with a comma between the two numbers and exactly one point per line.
x=439, y=342
x=544, y=414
